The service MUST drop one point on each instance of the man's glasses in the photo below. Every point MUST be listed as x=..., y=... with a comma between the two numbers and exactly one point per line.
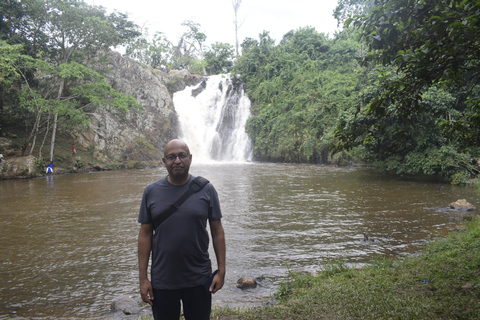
x=173, y=157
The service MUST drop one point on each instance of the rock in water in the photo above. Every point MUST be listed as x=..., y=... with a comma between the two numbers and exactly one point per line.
x=462, y=204
x=246, y=282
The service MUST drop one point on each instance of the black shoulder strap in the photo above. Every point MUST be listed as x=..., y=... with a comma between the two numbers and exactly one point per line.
x=196, y=185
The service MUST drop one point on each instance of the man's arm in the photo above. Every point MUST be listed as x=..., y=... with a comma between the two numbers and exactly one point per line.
x=144, y=248
x=218, y=240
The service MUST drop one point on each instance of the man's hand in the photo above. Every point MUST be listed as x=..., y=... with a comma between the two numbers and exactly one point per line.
x=218, y=239
x=217, y=282
x=146, y=291
x=144, y=247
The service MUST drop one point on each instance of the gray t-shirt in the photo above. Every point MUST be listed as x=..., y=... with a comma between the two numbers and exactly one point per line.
x=180, y=256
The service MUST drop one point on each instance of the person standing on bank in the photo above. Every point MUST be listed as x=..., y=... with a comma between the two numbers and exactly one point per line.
x=181, y=268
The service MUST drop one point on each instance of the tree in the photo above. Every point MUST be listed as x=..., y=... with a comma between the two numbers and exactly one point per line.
x=297, y=90
x=68, y=34
x=420, y=109
x=347, y=8
x=12, y=61
x=430, y=43
x=195, y=39
x=11, y=13
x=219, y=58
x=154, y=53
x=236, y=7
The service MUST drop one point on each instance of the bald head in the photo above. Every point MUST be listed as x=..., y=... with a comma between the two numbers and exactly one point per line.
x=177, y=160
x=175, y=144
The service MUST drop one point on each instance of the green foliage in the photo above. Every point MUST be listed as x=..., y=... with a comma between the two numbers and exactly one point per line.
x=334, y=267
x=157, y=53
x=12, y=60
x=294, y=280
x=407, y=145
x=297, y=89
x=39, y=165
x=347, y=8
x=49, y=73
x=219, y=59
x=444, y=161
x=430, y=43
x=418, y=112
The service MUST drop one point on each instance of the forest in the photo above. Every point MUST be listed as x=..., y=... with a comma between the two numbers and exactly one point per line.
x=397, y=88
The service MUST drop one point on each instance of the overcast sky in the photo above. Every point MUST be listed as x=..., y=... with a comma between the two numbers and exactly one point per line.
x=216, y=16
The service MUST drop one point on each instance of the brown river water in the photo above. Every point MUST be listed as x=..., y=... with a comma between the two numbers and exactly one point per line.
x=68, y=242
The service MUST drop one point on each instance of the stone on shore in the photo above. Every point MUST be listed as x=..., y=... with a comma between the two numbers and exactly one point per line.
x=126, y=305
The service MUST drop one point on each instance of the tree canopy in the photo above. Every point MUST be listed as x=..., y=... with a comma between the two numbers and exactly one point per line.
x=49, y=70
x=430, y=43
x=297, y=89
x=420, y=109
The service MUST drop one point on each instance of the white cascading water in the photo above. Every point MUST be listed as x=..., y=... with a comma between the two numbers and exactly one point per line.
x=212, y=123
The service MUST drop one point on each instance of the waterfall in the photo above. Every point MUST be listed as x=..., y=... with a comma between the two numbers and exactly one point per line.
x=212, y=117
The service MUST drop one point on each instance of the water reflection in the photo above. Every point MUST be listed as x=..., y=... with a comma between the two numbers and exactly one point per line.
x=68, y=243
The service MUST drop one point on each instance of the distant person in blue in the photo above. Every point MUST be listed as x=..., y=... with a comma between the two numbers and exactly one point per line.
x=181, y=270
x=50, y=167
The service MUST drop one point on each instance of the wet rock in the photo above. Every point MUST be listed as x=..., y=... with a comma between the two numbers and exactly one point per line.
x=126, y=305
x=462, y=204
x=23, y=167
x=366, y=238
x=200, y=88
x=99, y=167
x=246, y=283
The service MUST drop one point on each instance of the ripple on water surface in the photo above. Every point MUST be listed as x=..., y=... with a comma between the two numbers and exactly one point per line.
x=71, y=239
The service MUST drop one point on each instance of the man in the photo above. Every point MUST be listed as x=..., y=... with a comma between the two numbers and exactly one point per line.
x=180, y=262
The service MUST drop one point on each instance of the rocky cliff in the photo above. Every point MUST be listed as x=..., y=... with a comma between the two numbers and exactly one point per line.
x=129, y=140
x=141, y=134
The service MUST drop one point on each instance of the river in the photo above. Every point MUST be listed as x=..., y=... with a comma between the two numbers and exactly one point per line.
x=68, y=242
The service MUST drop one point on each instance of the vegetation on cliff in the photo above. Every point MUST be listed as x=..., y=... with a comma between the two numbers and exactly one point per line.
x=398, y=87
x=298, y=89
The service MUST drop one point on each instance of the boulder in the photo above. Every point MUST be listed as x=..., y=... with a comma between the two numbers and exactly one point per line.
x=246, y=283
x=462, y=204
x=126, y=305
x=200, y=88
x=23, y=167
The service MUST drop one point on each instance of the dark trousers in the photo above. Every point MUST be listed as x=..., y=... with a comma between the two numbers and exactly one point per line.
x=197, y=303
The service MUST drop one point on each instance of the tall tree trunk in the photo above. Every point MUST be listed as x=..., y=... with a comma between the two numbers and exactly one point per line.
x=34, y=132
x=55, y=120
x=44, y=137
x=54, y=131
x=236, y=6
x=202, y=58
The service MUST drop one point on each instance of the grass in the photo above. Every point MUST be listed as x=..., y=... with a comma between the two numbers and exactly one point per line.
x=441, y=283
